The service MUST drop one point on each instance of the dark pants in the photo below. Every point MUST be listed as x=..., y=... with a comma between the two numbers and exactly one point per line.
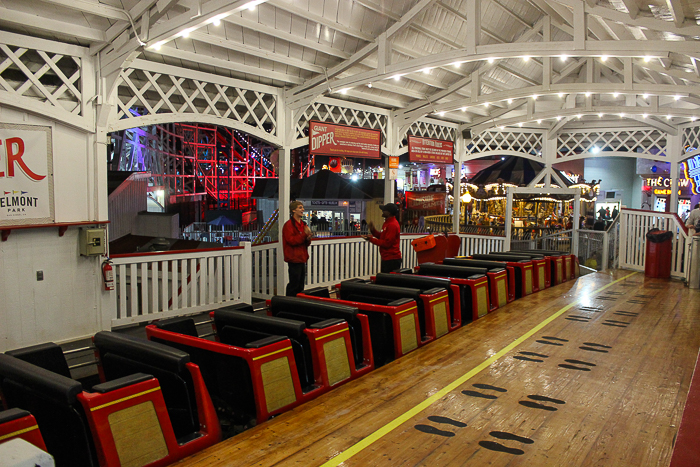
x=391, y=265
x=297, y=274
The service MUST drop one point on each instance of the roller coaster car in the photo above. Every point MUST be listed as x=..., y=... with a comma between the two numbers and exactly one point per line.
x=152, y=409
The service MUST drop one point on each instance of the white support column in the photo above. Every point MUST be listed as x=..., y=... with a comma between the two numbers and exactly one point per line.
x=675, y=153
x=574, y=223
x=285, y=173
x=509, y=217
x=456, y=183
x=549, y=154
x=391, y=145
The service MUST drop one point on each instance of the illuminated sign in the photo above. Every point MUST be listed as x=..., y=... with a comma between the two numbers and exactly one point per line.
x=664, y=182
x=691, y=167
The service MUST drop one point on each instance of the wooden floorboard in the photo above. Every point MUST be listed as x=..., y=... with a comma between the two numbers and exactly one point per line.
x=603, y=384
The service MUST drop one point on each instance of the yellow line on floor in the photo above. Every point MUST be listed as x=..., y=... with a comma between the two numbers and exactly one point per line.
x=403, y=418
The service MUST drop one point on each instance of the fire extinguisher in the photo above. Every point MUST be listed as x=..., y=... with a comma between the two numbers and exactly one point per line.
x=108, y=275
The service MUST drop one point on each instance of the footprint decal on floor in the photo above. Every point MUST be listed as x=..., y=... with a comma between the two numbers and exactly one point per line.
x=626, y=313
x=638, y=302
x=590, y=309
x=431, y=430
x=536, y=405
x=488, y=386
x=573, y=367
x=550, y=338
x=481, y=394
x=579, y=362
x=529, y=356
x=614, y=323
x=498, y=447
x=535, y=354
x=593, y=347
x=527, y=359
x=580, y=319
x=606, y=298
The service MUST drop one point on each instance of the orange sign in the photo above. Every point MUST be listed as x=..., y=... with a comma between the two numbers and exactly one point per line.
x=393, y=162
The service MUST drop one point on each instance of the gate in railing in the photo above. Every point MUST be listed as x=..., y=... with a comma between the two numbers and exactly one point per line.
x=634, y=225
x=152, y=286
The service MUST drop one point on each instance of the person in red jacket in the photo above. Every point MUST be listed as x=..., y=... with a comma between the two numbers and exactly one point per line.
x=388, y=239
x=296, y=238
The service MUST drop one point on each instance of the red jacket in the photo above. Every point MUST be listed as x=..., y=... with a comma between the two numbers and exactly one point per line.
x=294, y=242
x=388, y=240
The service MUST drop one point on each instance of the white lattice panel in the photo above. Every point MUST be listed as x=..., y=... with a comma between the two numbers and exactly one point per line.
x=46, y=77
x=323, y=112
x=143, y=93
x=529, y=143
x=641, y=142
x=691, y=139
x=428, y=130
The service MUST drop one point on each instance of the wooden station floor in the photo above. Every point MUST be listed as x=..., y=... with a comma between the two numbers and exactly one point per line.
x=593, y=372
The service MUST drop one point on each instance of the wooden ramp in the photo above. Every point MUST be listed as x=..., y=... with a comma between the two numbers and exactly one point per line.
x=593, y=372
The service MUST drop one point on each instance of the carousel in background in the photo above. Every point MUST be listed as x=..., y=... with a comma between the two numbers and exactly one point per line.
x=537, y=211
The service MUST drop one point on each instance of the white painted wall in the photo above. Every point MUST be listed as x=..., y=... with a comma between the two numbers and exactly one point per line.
x=67, y=304
x=617, y=173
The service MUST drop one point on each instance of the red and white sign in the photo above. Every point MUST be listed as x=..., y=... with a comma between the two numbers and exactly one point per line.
x=326, y=139
x=425, y=201
x=26, y=175
x=430, y=150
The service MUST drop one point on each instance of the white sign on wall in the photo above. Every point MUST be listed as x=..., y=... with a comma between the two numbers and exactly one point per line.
x=26, y=175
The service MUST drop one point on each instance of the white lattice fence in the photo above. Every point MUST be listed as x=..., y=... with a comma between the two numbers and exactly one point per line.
x=40, y=76
x=507, y=141
x=650, y=142
x=145, y=93
x=428, y=130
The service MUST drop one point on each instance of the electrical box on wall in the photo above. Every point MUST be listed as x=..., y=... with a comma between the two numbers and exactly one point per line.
x=92, y=242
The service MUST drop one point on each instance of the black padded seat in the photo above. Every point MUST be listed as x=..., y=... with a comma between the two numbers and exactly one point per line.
x=314, y=311
x=122, y=355
x=184, y=326
x=232, y=326
x=48, y=356
x=420, y=283
x=246, y=307
x=505, y=257
x=12, y=414
x=52, y=399
x=446, y=270
x=321, y=292
x=385, y=295
x=492, y=266
x=542, y=252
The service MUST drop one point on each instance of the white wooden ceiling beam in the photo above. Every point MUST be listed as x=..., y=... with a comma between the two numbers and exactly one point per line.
x=508, y=11
x=641, y=21
x=228, y=65
x=632, y=8
x=306, y=14
x=52, y=26
x=628, y=113
x=93, y=8
x=254, y=51
x=675, y=7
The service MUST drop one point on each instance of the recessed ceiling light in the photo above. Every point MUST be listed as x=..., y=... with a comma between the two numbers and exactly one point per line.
x=539, y=121
x=645, y=115
x=645, y=96
x=486, y=104
x=561, y=94
x=526, y=58
x=588, y=94
x=563, y=58
x=616, y=94
x=603, y=58
x=491, y=59
x=647, y=59
x=397, y=77
x=464, y=109
x=510, y=101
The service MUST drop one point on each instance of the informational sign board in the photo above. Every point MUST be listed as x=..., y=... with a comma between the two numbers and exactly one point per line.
x=430, y=150
x=26, y=175
x=393, y=162
x=425, y=201
x=326, y=139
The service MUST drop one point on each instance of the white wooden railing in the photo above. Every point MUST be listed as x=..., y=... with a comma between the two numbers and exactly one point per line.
x=162, y=285
x=335, y=259
x=634, y=225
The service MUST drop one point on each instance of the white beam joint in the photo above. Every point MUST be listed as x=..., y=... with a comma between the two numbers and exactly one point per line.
x=580, y=26
x=473, y=25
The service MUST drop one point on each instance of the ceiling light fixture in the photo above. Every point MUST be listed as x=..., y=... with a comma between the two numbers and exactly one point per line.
x=616, y=94
x=647, y=59
x=491, y=59
x=369, y=85
x=692, y=119
x=216, y=22
x=675, y=98
x=645, y=115
x=561, y=94
x=563, y=58
x=603, y=58
x=559, y=117
x=622, y=115
x=397, y=77
x=669, y=117
x=464, y=109
x=534, y=97
x=510, y=101
x=526, y=59
x=645, y=96
x=588, y=94
x=486, y=104
x=600, y=115
x=539, y=122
